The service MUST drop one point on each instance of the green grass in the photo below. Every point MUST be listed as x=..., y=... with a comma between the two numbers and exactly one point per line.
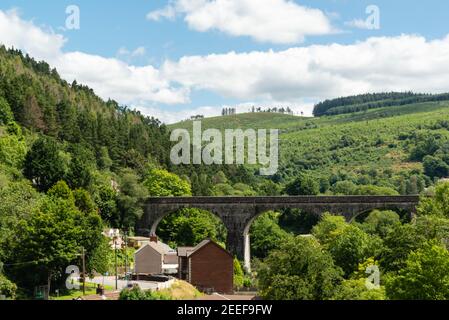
x=289, y=123
x=260, y=120
x=73, y=294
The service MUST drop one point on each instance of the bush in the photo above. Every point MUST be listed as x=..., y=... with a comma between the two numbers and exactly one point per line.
x=7, y=288
x=247, y=282
x=138, y=294
x=238, y=274
x=357, y=290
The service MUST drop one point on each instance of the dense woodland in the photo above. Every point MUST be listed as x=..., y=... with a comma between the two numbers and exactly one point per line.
x=72, y=165
x=371, y=101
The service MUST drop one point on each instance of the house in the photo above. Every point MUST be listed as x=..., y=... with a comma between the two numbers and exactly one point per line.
x=155, y=257
x=208, y=266
x=116, y=239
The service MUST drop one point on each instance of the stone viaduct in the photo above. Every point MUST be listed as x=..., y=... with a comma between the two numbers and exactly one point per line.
x=238, y=213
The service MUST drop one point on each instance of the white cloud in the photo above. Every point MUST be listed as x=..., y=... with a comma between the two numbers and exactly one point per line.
x=359, y=24
x=138, y=52
x=109, y=77
x=400, y=63
x=169, y=12
x=114, y=78
x=15, y=32
x=169, y=116
x=123, y=51
x=276, y=21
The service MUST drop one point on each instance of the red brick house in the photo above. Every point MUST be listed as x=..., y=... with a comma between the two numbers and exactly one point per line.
x=208, y=266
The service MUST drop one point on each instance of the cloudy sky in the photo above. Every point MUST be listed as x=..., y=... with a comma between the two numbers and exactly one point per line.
x=177, y=58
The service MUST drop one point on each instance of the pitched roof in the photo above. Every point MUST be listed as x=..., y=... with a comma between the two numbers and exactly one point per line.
x=165, y=247
x=160, y=247
x=201, y=244
x=184, y=251
x=189, y=251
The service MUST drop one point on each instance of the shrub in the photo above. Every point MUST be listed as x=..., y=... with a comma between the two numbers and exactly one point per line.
x=136, y=293
x=357, y=290
x=7, y=288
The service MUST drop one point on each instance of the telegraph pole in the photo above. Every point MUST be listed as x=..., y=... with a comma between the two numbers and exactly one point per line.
x=84, y=271
x=116, y=268
x=126, y=256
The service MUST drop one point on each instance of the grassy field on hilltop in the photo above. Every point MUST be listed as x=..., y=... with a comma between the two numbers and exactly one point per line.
x=262, y=120
x=289, y=123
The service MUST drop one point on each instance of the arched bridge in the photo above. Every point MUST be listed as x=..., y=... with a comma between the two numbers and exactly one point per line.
x=237, y=213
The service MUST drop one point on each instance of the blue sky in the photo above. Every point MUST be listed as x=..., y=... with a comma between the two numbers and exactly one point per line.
x=201, y=58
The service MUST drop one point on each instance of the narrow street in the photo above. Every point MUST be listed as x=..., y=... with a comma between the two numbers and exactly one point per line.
x=110, y=281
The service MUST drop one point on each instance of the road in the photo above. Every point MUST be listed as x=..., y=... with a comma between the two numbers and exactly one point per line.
x=110, y=281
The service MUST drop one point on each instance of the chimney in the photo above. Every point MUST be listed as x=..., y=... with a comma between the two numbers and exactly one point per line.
x=153, y=238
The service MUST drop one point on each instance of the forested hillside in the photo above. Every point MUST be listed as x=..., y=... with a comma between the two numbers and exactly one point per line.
x=371, y=101
x=73, y=165
x=42, y=102
x=394, y=150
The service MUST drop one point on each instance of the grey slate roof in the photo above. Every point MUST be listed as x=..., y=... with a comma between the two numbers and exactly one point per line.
x=188, y=251
x=160, y=247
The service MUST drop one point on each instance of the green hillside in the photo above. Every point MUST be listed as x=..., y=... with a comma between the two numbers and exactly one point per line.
x=43, y=103
x=290, y=123
x=260, y=120
x=370, y=147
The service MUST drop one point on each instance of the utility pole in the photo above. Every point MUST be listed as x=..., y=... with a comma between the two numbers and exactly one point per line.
x=114, y=234
x=116, y=268
x=126, y=256
x=84, y=271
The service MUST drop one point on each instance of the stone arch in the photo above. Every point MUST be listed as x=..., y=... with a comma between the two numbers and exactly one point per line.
x=159, y=215
x=405, y=209
x=247, y=241
x=231, y=215
x=237, y=213
x=259, y=210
